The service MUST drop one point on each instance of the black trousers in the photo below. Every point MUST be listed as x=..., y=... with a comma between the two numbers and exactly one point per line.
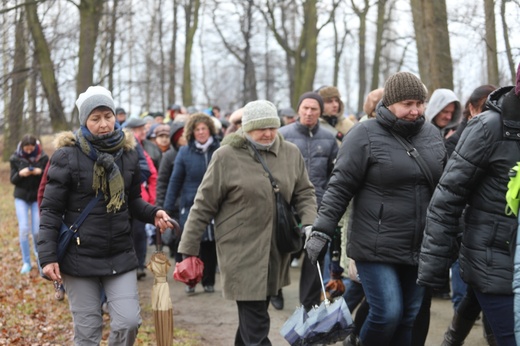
x=253, y=323
x=310, y=285
x=208, y=255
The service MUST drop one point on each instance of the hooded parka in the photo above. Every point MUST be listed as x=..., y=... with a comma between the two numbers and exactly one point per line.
x=237, y=193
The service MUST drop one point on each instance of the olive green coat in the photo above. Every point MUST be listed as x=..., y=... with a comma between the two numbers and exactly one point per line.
x=237, y=193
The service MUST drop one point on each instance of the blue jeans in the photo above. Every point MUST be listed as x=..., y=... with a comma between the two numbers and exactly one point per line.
x=353, y=293
x=22, y=214
x=394, y=299
x=458, y=286
x=499, y=313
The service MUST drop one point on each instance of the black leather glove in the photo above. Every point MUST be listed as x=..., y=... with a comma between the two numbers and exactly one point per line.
x=315, y=244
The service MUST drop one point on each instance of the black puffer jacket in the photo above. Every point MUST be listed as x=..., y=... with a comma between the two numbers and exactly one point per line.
x=476, y=175
x=390, y=193
x=26, y=188
x=106, y=245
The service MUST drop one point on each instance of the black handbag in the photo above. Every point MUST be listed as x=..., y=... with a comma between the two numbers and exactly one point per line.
x=288, y=233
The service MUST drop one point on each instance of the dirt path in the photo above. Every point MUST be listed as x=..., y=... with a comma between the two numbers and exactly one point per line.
x=215, y=319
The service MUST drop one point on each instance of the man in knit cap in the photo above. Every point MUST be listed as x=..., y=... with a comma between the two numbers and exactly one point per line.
x=333, y=118
x=319, y=149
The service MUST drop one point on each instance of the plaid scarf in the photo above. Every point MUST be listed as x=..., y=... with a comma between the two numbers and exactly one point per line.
x=105, y=150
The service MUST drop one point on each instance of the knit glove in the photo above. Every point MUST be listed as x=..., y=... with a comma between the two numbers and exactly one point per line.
x=316, y=242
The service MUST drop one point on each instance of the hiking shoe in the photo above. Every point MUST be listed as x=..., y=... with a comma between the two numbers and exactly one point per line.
x=209, y=289
x=26, y=268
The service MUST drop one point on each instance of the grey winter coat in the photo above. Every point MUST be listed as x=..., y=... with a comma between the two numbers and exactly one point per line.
x=476, y=176
x=237, y=193
x=389, y=192
x=106, y=246
x=319, y=149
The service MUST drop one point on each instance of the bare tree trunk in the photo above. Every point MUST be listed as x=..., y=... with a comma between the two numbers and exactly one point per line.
x=112, y=42
x=173, y=58
x=433, y=43
x=505, y=31
x=302, y=60
x=162, y=78
x=18, y=78
x=243, y=53
x=362, y=14
x=306, y=58
x=90, y=12
x=339, y=45
x=192, y=20
x=33, y=95
x=421, y=41
x=149, y=62
x=491, y=43
x=46, y=69
x=379, y=43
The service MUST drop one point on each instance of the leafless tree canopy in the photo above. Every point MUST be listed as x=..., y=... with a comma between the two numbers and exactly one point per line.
x=153, y=53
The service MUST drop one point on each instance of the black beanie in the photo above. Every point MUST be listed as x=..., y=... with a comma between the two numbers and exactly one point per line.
x=311, y=95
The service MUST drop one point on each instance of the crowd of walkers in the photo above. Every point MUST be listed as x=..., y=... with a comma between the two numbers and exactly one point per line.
x=415, y=189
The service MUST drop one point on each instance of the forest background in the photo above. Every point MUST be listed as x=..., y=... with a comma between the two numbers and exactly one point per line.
x=154, y=53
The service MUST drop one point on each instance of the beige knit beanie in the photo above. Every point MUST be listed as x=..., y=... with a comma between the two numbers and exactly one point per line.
x=403, y=86
x=260, y=114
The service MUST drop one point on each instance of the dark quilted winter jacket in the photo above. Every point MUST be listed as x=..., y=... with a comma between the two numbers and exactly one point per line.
x=476, y=176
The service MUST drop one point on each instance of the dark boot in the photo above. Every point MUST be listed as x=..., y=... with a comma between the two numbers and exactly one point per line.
x=351, y=340
x=457, y=331
x=277, y=300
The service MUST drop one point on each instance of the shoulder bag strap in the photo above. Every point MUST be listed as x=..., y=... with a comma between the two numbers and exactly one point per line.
x=271, y=178
x=413, y=153
x=85, y=212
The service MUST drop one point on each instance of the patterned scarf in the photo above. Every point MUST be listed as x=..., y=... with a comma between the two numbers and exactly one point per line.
x=105, y=150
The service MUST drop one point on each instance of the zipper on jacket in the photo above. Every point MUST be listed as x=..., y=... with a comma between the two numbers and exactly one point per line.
x=381, y=213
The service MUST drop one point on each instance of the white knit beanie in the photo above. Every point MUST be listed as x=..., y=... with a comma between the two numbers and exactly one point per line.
x=260, y=114
x=94, y=97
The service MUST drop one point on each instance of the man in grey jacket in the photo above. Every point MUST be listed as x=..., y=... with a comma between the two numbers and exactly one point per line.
x=319, y=150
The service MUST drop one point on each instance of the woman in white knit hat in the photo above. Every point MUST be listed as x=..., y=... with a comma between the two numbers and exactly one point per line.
x=97, y=160
x=237, y=193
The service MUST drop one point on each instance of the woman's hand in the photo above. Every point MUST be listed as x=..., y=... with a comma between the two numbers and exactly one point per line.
x=352, y=271
x=52, y=271
x=25, y=172
x=163, y=221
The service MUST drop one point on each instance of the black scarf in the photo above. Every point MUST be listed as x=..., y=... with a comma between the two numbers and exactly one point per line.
x=404, y=128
